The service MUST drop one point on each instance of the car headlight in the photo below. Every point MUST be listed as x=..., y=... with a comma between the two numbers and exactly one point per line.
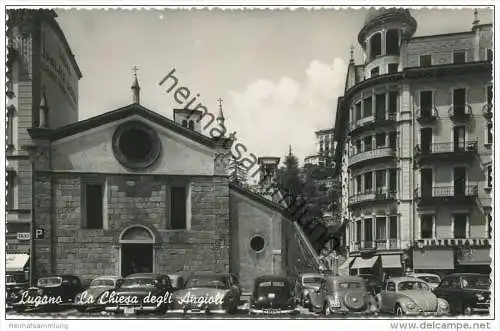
x=410, y=305
x=479, y=297
x=335, y=303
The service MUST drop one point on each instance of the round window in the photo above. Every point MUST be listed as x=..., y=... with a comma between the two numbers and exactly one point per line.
x=135, y=145
x=257, y=243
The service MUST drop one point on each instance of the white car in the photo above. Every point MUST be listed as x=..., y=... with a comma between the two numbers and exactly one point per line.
x=432, y=279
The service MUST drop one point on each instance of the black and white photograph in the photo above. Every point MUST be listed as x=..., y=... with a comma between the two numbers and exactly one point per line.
x=183, y=163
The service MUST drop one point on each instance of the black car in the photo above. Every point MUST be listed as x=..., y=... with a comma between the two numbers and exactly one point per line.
x=273, y=295
x=15, y=285
x=51, y=293
x=373, y=284
x=139, y=293
x=467, y=293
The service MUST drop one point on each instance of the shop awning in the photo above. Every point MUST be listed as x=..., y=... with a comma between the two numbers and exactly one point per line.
x=441, y=259
x=473, y=256
x=361, y=262
x=16, y=262
x=391, y=261
x=347, y=263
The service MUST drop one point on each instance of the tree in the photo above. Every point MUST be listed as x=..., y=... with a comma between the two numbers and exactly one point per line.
x=237, y=172
x=289, y=177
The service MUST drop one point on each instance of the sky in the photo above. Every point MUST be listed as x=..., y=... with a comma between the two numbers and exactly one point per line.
x=279, y=72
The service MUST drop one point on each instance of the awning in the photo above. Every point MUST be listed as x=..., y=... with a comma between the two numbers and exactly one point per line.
x=391, y=261
x=441, y=259
x=361, y=262
x=347, y=263
x=16, y=262
x=473, y=256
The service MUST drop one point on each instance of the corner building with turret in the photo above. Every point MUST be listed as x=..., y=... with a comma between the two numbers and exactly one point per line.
x=414, y=140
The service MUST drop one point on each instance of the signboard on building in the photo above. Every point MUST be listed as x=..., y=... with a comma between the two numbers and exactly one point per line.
x=39, y=233
x=23, y=236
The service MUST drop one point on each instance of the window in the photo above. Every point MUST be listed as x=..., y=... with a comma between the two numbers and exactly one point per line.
x=368, y=230
x=375, y=45
x=367, y=107
x=393, y=227
x=10, y=127
x=489, y=55
x=393, y=139
x=257, y=243
x=460, y=226
x=11, y=183
x=489, y=133
x=358, y=111
x=393, y=102
x=459, y=101
x=191, y=125
x=358, y=184
x=381, y=228
x=425, y=60
x=380, y=139
x=393, y=68
x=489, y=173
x=380, y=106
x=426, y=103
x=426, y=226
x=393, y=180
x=392, y=42
x=178, y=207
x=368, y=182
x=458, y=57
x=380, y=180
x=374, y=72
x=358, y=146
x=368, y=143
x=358, y=231
x=93, y=205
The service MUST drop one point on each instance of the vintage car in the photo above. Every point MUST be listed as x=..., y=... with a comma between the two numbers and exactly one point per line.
x=51, y=293
x=467, y=293
x=343, y=295
x=432, y=279
x=271, y=295
x=208, y=293
x=89, y=299
x=305, y=284
x=15, y=285
x=410, y=296
x=139, y=293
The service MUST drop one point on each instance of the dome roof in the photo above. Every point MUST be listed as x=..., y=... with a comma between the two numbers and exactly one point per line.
x=374, y=13
x=379, y=16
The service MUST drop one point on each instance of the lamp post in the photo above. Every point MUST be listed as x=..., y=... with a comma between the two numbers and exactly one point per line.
x=31, y=151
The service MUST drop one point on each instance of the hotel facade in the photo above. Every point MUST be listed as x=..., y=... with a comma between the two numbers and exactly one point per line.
x=414, y=140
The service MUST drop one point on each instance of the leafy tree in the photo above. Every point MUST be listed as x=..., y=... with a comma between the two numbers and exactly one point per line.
x=237, y=172
x=289, y=178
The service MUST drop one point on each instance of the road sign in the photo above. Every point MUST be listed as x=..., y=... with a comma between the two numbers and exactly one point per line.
x=39, y=233
x=23, y=236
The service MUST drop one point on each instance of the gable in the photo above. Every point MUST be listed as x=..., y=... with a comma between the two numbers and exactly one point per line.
x=91, y=150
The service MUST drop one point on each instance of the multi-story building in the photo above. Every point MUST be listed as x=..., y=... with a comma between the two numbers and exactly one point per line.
x=325, y=148
x=414, y=152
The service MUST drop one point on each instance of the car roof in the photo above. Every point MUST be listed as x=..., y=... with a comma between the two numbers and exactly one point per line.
x=345, y=278
x=311, y=275
x=271, y=278
x=209, y=275
x=417, y=274
x=145, y=275
x=465, y=274
x=404, y=279
x=107, y=277
x=62, y=276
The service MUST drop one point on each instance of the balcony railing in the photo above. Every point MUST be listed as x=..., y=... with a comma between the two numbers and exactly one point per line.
x=457, y=191
x=375, y=195
x=460, y=113
x=371, y=121
x=379, y=244
x=427, y=115
x=449, y=147
x=488, y=111
x=379, y=152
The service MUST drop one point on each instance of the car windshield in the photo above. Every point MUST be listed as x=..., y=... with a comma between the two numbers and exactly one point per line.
x=138, y=282
x=477, y=282
x=312, y=280
x=430, y=279
x=279, y=288
x=350, y=285
x=50, y=281
x=102, y=283
x=412, y=285
x=206, y=282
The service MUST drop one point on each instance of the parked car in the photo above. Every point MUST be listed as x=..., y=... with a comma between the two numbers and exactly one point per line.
x=15, y=285
x=272, y=294
x=410, y=296
x=307, y=283
x=178, y=281
x=373, y=284
x=343, y=295
x=432, y=279
x=467, y=293
x=90, y=298
x=51, y=293
x=139, y=293
x=208, y=293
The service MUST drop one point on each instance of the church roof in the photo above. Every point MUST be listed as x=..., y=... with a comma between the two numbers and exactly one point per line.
x=258, y=198
x=121, y=113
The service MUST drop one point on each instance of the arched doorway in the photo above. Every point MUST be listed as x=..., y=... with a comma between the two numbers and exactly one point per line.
x=136, y=247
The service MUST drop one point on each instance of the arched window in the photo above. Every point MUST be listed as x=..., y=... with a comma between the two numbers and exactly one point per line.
x=392, y=42
x=185, y=123
x=375, y=46
x=191, y=125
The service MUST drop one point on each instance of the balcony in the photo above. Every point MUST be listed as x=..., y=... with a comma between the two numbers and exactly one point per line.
x=380, y=195
x=371, y=122
x=377, y=245
x=427, y=115
x=488, y=111
x=451, y=151
x=374, y=154
x=451, y=195
x=460, y=113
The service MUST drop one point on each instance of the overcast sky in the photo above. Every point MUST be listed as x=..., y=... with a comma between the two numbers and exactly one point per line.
x=279, y=72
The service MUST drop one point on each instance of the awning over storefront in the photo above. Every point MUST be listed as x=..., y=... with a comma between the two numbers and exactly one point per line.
x=361, y=262
x=433, y=259
x=16, y=262
x=391, y=261
x=475, y=256
x=347, y=263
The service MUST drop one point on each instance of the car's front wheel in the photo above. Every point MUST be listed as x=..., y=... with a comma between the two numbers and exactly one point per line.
x=398, y=310
x=467, y=310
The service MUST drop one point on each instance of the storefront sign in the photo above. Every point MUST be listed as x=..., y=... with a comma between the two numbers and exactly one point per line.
x=23, y=236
